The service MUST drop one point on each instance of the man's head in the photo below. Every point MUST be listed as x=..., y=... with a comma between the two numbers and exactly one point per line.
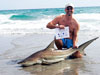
x=69, y=9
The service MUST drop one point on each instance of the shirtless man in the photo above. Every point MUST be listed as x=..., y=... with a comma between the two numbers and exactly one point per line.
x=63, y=21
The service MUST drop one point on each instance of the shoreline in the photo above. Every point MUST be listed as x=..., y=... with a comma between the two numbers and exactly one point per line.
x=18, y=47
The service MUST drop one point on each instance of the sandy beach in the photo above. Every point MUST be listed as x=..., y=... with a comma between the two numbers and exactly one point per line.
x=23, y=32
x=14, y=48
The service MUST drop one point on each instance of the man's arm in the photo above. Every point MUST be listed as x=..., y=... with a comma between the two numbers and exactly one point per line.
x=75, y=35
x=53, y=23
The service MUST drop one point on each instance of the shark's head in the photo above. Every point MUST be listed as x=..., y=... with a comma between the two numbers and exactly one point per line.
x=37, y=58
x=26, y=63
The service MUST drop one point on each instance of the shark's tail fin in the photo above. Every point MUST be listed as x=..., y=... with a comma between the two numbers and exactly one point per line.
x=84, y=45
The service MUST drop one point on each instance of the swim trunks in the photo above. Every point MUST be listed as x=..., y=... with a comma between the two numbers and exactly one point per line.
x=67, y=43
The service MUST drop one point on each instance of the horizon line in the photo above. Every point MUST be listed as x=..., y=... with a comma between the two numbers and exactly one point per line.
x=45, y=8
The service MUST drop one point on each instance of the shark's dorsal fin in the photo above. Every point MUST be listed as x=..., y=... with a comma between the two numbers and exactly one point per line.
x=51, y=45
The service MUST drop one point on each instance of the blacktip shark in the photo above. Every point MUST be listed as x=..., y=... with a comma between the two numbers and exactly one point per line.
x=51, y=55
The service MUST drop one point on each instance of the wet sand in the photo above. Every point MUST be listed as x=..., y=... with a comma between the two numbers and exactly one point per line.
x=14, y=48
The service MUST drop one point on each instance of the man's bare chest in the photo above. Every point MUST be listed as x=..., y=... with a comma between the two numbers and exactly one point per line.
x=64, y=22
x=69, y=24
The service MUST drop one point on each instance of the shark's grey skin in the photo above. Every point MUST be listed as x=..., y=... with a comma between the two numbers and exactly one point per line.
x=50, y=55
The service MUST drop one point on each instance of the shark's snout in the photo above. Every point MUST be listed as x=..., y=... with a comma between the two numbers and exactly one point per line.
x=26, y=63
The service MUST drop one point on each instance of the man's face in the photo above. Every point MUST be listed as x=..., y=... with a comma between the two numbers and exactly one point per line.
x=69, y=10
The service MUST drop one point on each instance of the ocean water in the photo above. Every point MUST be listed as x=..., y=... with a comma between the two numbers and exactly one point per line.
x=35, y=20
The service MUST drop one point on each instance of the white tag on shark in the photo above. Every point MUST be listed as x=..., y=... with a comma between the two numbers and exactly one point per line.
x=62, y=33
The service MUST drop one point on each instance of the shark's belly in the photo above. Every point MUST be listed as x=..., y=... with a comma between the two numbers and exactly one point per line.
x=50, y=61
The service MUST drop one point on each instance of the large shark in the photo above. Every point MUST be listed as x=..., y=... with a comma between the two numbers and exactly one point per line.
x=51, y=55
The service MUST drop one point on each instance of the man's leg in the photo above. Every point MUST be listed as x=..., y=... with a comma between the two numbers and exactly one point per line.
x=59, y=43
x=77, y=54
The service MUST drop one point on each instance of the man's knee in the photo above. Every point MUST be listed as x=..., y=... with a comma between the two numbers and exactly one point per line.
x=77, y=54
x=59, y=43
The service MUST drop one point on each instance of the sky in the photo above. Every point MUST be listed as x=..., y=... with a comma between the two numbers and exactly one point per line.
x=36, y=4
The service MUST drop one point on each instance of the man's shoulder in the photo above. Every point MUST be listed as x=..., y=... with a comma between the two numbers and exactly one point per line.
x=60, y=16
x=75, y=22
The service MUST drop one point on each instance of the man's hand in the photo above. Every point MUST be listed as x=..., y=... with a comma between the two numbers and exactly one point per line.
x=75, y=47
x=61, y=26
